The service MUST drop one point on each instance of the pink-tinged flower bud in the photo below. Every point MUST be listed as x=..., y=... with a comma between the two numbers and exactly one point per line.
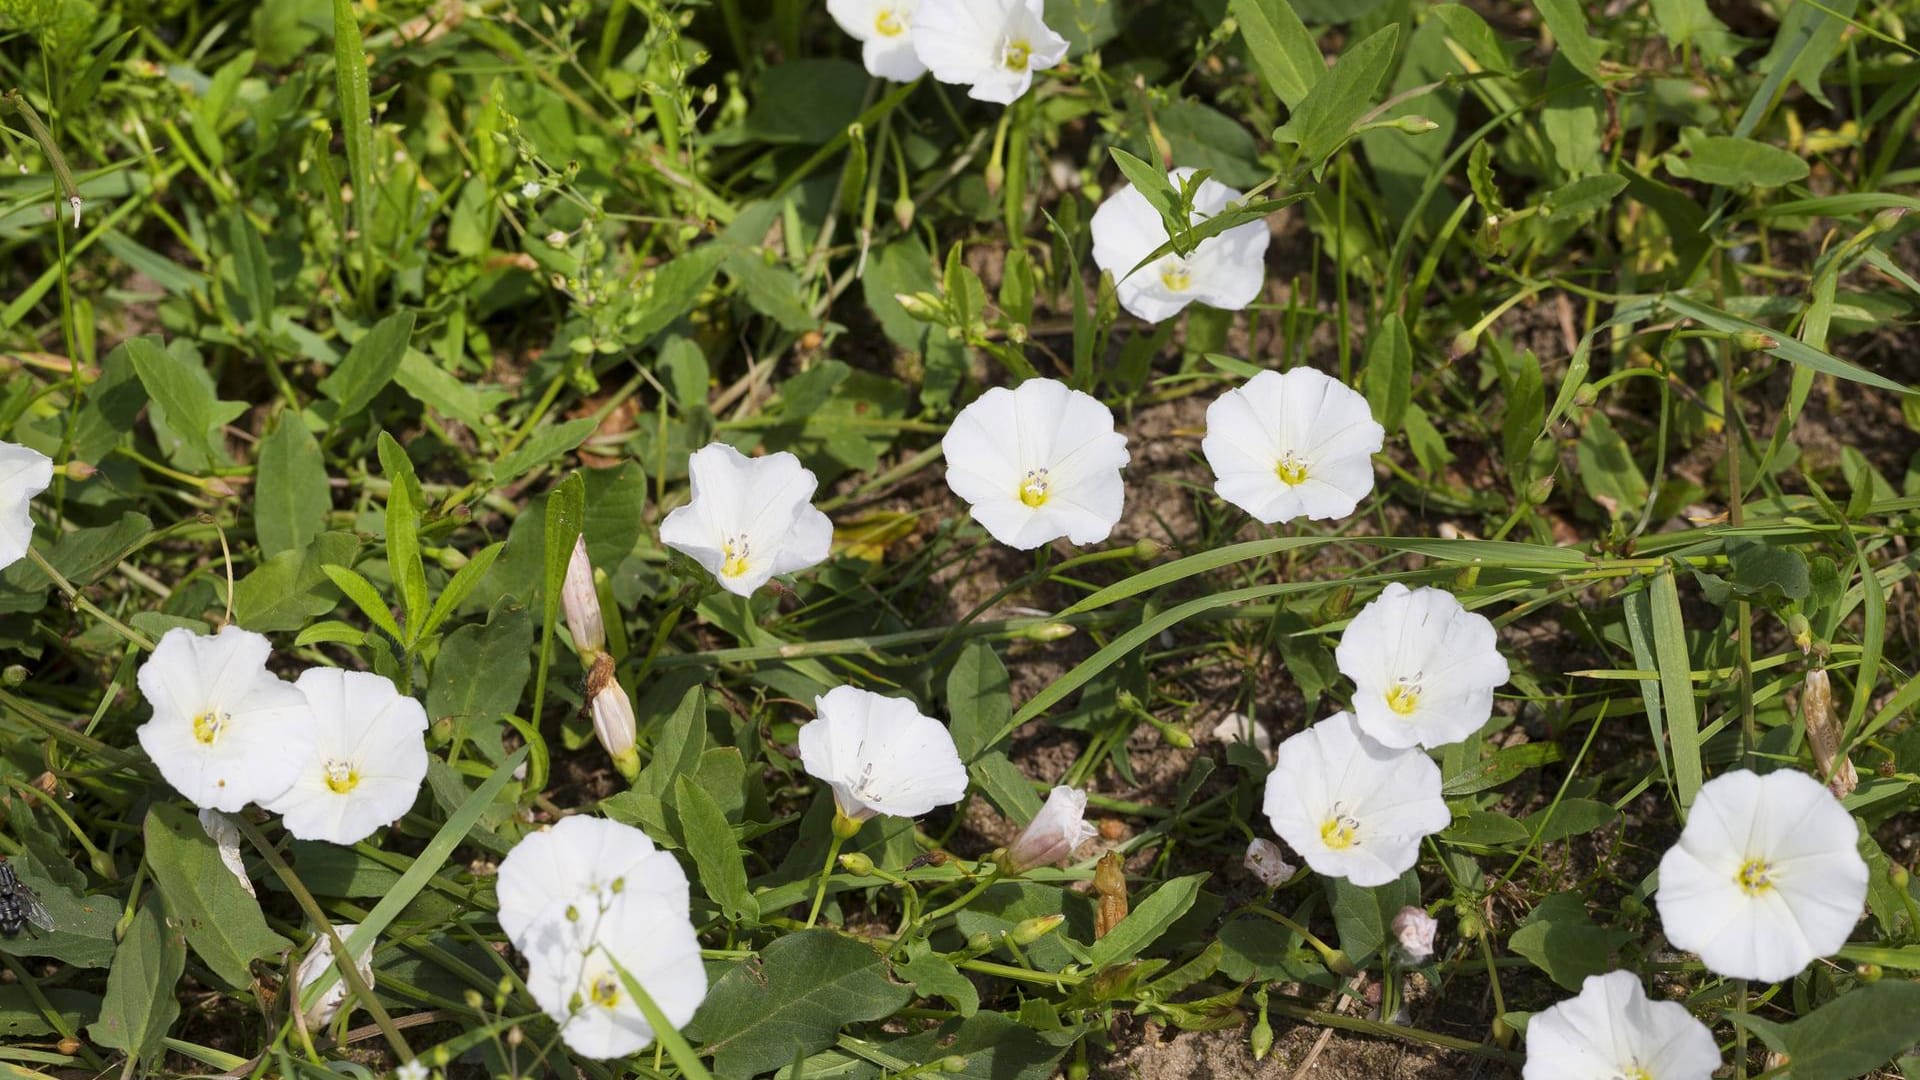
x=1265, y=862
x=1414, y=929
x=613, y=721
x=1054, y=832
x=582, y=604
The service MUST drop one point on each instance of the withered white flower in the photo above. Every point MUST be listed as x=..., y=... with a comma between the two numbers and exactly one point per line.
x=1036, y=463
x=225, y=731
x=368, y=760
x=1423, y=667
x=880, y=755
x=1352, y=807
x=750, y=518
x=315, y=964
x=1223, y=271
x=1765, y=878
x=1612, y=1031
x=884, y=29
x=992, y=47
x=1265, y=861
x=1292, y=445
x=1054, y=832
x=24, y=473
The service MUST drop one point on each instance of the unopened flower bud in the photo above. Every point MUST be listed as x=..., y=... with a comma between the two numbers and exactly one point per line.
x=1261, y=1041
x=1415, y=125
x=68, y=1046
x=1413, y=931
x=979, y=942
x=1265, y=861
x=1869, y=972
x=1463, y=343
x=581, y=602
x=1028, y=931
x=1898, y=877
x=856, y=864
x=1052, y=631
x=1148, y=549
x=14, y=675
x=1888, y=218
x=1540, y=490
x=1585, y=396
x=1471, y=925
x=922, y=306
x=1755, y=341
x=1053, y=834
x=613, y=722
x=1802, y=632
x=474, y=1000
x=903, y=212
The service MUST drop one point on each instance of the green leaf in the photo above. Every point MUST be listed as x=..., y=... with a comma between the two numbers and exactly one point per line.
x=481, y=672
x=356, y=112
x=1471, y=33
x=223, y=922
x=1364, y=916
x=1001, y=780
x=140, y=1003
x=681, y=740
x=84, y=925
x=1608, y=471
x=1283, y=50
x=1149, y=919
x=370, y=364
x=1676, y=687
x=251, y=270
x=1808, y=39
x=1738, y=163
x=1337, y=102
x=675, y=288
x=291, y=498
x=365, y=597
x=1152, y=182
x=20, y=1015
x=1568, y=24
x=1561, y=940
x=404, y=561
x=1790, y=349
x=979, y=699
x=1202, y=137
x=464, y=581
x=1855, y=1033
x=1585, y=194
x=1503, y=765
x=288, y=590
x=545, y=445
x=1691, y=22
x=1388, y=377
x=1768, y=572
x=715, y=851
x=792, y=999
x=1569, y=817
x=186, y=398
x=934, y=975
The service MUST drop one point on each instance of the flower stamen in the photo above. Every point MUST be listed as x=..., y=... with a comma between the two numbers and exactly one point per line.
x=342, y=776
x=1176, y=276
x=1033, y=489
x=208, y=726
x=1291, y=470
x=1755, y=877
x=1016, y=54
x=1404, y=695
x=887, y=23
x=605, y=991
x=733, y=557
x=1341, y=831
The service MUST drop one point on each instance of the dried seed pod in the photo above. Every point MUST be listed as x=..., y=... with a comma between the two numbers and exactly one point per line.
x=1110, y=881
x=1823, y=734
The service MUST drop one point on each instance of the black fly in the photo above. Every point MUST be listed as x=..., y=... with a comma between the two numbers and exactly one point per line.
x=19, y=905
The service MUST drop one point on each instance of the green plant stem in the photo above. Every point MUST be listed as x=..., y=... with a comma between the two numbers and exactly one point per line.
x=1392, y=1031
x=826, y=874
x=1336, y=960
x=965, y=898
x=73, y=597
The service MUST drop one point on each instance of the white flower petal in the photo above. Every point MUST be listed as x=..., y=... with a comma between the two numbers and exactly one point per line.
x=1224, y=271
x=1037, y=463
x=24, y=473
x=1612, y=1030
x=368, y=759
x=749, y=518
x=1350, y=806
x=1423, y=667
x=315, y=964
x=881, y=755
x=575, y=965
x=1293, y=444
x=225, y=731
x=992, y=47
x=579, y=862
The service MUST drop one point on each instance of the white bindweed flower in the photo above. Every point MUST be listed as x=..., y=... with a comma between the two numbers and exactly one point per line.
x=1423, y=667
x=367, y=763
x=1037, y=463
x=1292, y=445
x=574, y=967
x=880, y=755
x=1766, y=876
x=225, y=731
x=1223, y=271
x=749, y=519
x=580, y=600
x=226, y=837
x=1054, y=832
x=992, y=47
x=1350, y=806
x=581, y=863
x=884, y=29
x=316, y=962
x=1413, y=934
x=1613, y=1031
x=1265, y=861
x=24, y=473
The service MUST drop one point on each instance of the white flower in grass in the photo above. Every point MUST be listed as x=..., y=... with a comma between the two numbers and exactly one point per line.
x=1223, y=271
x=368, y=759
x=1292, y=445
x=1265, y=861
x=225, y=731
x=880, y=755
x=581, y=862
x=884, y=29
x=24, y=473
x=226, y=836
x=315, y=964
x=1423, y=667
x=1054, y=832
x=1613, y=1032
x=574, y=966
x=992, y=47
x=1766, y=876
x=1037, y=463
x=1351, y=807
x=749, y=519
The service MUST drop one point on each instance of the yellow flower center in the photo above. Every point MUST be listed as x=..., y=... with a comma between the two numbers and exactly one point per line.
x=888, y=23
x=606, y=991
x=1291, y=470
x=342, y=777
x=208, y=726
x=1755, y=877
x=1033, y=489
x=1403, y=698
x=1016, y=54
x=1340, y=832
x=733, y=557
x=1175, y=276
x=1635, y=1072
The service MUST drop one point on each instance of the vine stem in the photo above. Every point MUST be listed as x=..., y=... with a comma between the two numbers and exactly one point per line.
x=72, y=593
